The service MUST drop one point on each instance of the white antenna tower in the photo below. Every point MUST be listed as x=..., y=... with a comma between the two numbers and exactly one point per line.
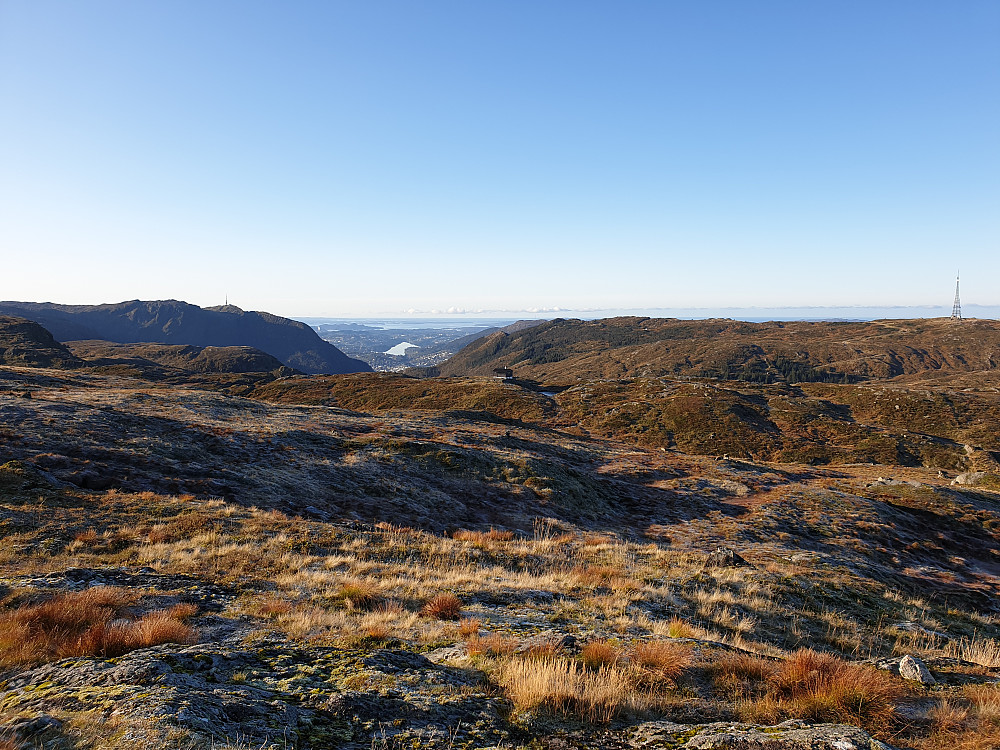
x=956, y=309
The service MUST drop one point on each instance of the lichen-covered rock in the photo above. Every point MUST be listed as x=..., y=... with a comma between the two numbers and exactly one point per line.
x=266, y=691
x=791, y=735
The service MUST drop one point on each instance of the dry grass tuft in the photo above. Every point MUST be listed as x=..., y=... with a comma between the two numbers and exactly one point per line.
x=443, y=607
x=480, y=537
x=87, y=537
x=982, y=651
x=565, y=687
x=661, y=661
x=947, y=717
x=271, y=607
x=986, y=700
x=377, y=632
x=677, y=628
x=358, y=596
x=93, y=622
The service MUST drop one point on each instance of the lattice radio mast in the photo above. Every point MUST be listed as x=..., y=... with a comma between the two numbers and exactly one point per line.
x=956, y=309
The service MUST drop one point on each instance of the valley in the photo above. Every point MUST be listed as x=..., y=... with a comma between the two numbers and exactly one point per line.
x=564, y=560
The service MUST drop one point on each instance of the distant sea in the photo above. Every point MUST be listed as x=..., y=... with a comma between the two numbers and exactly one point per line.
x=751, y=314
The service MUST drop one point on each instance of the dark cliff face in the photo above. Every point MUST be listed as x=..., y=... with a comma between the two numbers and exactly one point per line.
x=172, y=322
x=25, y=343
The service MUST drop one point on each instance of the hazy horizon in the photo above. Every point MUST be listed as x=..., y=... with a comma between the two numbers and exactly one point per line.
x=341, y=158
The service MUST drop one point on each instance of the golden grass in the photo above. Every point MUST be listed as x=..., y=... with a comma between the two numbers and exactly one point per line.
x=481, y=537
x=564, y=686
x=982, y=651
x=360, y=595
x=677, y=628
x=468, y=627
x=93, y=622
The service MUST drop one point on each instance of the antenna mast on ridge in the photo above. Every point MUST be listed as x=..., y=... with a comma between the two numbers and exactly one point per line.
x=956, y=309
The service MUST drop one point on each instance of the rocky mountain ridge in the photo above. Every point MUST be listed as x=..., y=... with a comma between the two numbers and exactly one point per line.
x=295, y=344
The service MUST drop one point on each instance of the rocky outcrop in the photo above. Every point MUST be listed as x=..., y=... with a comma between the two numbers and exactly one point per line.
x=270, y=693
x=24, y=343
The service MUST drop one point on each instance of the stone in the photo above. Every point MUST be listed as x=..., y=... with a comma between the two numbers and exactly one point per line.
x=723, y=557
x=912, y=668
x=969, y=477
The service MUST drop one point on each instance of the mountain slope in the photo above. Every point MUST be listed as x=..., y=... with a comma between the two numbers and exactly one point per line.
x=172, y=322
x=25, y=343
x=572, y=350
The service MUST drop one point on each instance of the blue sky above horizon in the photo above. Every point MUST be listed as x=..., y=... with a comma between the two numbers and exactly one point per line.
x=362, y=158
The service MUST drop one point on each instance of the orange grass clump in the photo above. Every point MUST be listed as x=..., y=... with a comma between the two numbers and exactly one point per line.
x=661, y=660
x=443, y=607
x=93, y=622
x=821, y=687
x=597, y=654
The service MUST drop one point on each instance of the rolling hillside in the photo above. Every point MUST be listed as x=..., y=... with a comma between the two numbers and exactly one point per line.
x=566, y=351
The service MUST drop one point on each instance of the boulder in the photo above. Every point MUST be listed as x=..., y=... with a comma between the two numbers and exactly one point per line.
x=912, y=668
x=724, y=557
x=549, y=640
x=970, y=478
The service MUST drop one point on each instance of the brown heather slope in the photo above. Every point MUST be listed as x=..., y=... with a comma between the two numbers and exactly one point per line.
x=382, y=393
x=565, y=351
x=818, y=423
x=204, y=359
x=313, y=622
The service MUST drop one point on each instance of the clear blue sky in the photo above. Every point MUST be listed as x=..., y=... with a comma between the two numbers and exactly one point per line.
x=352, y=158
